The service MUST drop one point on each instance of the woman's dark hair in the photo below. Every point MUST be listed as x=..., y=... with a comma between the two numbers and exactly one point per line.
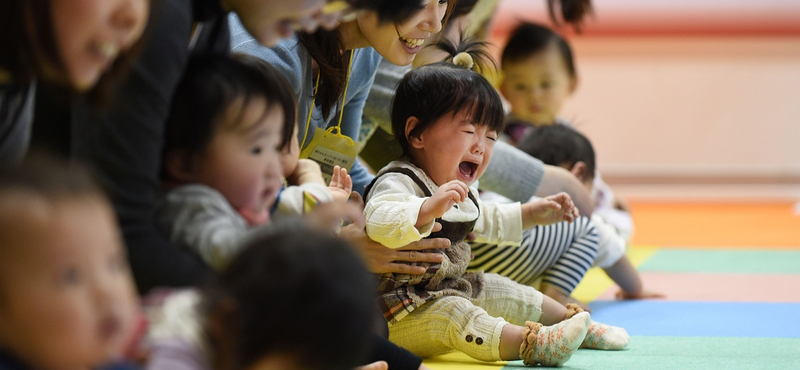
x=462, y=7
x=27, y=26
x=210, y=85
x=28, y=44
x=326, y=48
x=391, y=10
x=435, y=90
x=559, y=144
x=297, y=292
x=529, y=39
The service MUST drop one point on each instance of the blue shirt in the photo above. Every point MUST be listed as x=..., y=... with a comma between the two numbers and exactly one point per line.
x=292, y=60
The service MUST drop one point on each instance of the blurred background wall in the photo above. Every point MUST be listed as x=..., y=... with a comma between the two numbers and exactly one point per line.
x=686, y=99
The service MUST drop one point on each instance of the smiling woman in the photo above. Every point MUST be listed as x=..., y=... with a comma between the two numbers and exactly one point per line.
x=68, y=43
x=87, y=48
x=319, y=67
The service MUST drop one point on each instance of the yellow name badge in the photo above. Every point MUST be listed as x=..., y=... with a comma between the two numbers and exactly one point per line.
x=330, y=148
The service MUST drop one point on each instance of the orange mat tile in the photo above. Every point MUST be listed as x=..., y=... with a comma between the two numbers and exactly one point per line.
x=727, y=225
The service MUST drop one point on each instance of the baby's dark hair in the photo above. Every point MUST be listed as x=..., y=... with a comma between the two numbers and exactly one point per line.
x=294, y=292
x=435, y=90
x=477, y=50
x=210, y=85
x=559, y=144
x=49, y=177
x=529, y=39
x=571, y=11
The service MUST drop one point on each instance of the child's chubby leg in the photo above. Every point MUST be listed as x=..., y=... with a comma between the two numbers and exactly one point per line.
x=454, y=323
x=517, y=303
x=449, y=323
x=559, y=296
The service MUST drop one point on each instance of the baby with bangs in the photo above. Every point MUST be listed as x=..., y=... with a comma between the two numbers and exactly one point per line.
x=446, y=118
x=230, y=145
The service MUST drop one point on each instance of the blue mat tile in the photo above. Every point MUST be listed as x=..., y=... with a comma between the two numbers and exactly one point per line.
x=709, y=319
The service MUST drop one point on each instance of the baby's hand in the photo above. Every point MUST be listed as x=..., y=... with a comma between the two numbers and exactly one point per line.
x=549, y=210
x=644, y=294
x=442, y=200
x=307, y=171
x=341, y=184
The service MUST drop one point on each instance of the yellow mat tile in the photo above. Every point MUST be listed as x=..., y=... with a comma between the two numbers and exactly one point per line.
x=596, y=282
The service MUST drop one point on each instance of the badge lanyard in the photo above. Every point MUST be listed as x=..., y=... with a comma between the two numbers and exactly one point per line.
x=330, y=147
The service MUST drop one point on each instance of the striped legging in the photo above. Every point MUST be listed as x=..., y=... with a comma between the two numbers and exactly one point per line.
x=560, y=254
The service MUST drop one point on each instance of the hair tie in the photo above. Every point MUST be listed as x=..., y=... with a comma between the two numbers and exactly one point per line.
x=463, y=59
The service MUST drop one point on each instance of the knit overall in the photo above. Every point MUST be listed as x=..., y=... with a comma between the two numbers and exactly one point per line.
x=400, y=294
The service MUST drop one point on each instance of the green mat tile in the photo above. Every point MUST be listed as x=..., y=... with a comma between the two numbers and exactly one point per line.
x=690, y=353
x=724, y=261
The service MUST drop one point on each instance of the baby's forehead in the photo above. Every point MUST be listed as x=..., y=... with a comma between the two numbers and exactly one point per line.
x=468, y=115
x=37, y=225
x=23, y=219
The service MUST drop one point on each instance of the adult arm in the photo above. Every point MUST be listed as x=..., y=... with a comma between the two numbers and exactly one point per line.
x=557, y=179
x=518, y=176
x=123, y=143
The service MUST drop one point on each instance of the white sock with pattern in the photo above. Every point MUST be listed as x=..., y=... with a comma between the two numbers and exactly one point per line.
x=601, y=336
x=553, y=345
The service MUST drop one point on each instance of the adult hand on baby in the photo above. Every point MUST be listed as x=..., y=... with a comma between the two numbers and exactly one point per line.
x=380, y=259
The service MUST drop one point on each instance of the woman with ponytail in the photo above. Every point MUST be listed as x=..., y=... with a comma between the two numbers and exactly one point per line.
x=81, y=47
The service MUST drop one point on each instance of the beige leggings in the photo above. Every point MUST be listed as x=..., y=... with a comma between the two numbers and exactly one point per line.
x=472, y=326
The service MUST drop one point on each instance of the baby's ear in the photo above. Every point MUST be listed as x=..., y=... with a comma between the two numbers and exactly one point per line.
x=573, y=84
x=179, y=165
x=501, y=82
x=411, y=124
x=579, y=170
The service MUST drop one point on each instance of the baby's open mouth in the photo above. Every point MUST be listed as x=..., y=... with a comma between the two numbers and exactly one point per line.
x=467, y=169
